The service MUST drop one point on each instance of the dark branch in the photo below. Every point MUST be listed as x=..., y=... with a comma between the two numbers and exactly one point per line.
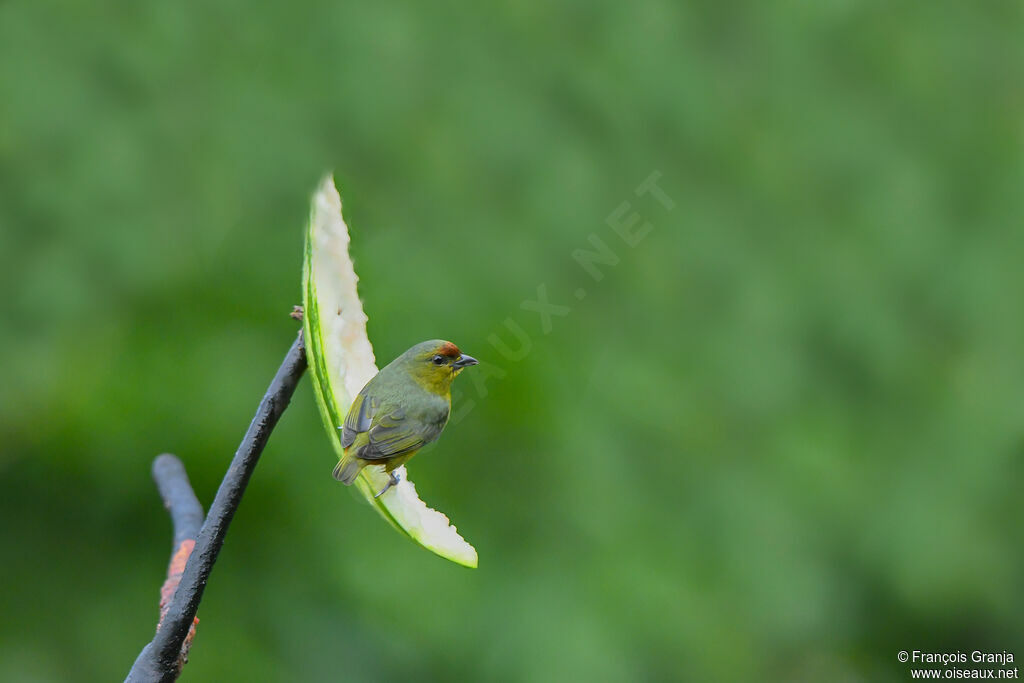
x=179, y=499
x=158, y=661
x=186, y=518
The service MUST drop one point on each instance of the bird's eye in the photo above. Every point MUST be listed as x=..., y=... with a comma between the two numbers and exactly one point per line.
x=437, y=360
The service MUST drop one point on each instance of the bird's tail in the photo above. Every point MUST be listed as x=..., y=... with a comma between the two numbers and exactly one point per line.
x=347, y=469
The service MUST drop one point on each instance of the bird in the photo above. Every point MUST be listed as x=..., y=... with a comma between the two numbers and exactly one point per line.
x=401, y=409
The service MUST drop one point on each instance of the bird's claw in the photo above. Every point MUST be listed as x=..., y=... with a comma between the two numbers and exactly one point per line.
x=392, y=481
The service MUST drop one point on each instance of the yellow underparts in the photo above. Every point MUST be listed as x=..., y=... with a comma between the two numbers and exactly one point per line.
x=437, y=379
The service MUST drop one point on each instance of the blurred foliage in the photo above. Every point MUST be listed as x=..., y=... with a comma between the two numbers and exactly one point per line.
x=783, y=438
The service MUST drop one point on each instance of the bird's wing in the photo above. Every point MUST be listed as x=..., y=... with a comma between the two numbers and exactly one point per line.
x=358, y=420
x=387, y=431
x=391, y=434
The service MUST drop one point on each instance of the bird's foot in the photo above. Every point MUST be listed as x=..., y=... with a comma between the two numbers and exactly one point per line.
x=392, y=481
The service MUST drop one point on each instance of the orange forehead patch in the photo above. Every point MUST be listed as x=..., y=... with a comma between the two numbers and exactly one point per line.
x=449, y=349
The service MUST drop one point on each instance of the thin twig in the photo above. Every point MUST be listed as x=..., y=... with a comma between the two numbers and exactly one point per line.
x=158, y=660
x=179, y=499
x=186, y=518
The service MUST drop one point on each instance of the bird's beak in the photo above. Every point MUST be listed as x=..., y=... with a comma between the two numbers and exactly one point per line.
x=465, y=361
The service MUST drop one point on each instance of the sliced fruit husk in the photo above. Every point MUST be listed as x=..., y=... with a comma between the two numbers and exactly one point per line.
x=341, y=362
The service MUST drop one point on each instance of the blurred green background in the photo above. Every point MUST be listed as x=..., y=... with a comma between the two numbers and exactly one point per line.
x=782, y=439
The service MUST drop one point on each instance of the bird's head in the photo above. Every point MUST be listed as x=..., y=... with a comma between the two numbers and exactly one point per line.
x=434, y=364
